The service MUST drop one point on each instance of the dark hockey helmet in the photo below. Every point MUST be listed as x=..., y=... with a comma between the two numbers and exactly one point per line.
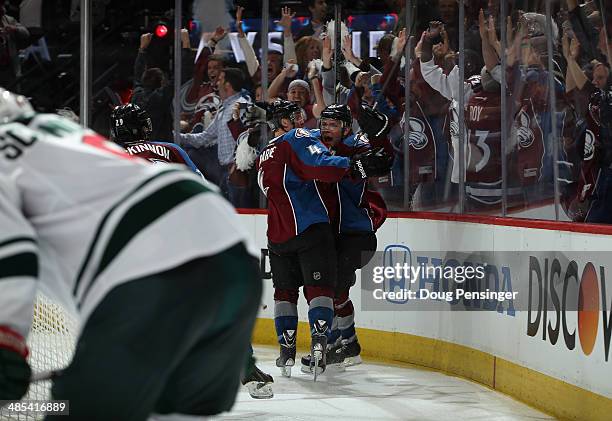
x=130, y=124
x=600, y=108
x=279, y=109
x=340, y=112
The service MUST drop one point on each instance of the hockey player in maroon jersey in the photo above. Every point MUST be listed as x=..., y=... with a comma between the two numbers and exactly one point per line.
x=300, y=238
x=355, y=213
x=131, y=128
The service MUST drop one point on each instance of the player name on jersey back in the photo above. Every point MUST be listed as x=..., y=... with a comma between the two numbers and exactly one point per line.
x=140, y=148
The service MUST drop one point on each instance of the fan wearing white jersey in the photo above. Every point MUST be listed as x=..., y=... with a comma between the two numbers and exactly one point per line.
x=154, y=261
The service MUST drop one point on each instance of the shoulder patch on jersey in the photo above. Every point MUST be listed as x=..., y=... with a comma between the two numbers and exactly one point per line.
x=417, y=137
x=360, y=139
x=524, y=133
x=302, y=133
x=589, y=145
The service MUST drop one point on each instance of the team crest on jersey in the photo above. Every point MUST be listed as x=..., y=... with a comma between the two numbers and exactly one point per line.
x=210, y=102
x=589, y=145
x=302, y=133
x=524, y=134
x=454, y=123
x=417, y=138
x=361, y=140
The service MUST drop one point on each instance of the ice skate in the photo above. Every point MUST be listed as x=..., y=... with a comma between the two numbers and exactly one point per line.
x=318, y=353
x=335, y=358
x=259, y=384
x=286, y=360
x=351, y=351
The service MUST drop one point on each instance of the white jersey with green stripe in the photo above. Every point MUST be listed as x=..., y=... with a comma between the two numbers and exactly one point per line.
x=103, y=217
x=18, y=262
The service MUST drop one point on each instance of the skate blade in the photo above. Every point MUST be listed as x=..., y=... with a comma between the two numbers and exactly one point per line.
x=260, y=390
x=316, y=369
x=351, y=361
x=317, y=372
x=306, y=369
x=286, y=371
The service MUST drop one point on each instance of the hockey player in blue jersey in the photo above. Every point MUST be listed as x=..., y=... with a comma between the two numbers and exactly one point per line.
x=355, y=213
x=300, y=237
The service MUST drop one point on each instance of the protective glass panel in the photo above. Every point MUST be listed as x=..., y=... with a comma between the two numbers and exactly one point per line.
x=39, y=54
x=586, y=48
x=533, y=124
x=426, y=152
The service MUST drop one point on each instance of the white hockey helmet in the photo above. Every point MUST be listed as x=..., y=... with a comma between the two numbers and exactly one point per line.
x=13, y=106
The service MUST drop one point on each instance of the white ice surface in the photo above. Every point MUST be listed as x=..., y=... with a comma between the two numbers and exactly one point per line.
x=375, y=392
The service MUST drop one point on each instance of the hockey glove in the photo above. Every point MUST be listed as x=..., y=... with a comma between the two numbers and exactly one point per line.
x=375, y=124
x=15, y=371
x=372, y=163
x=254, y=114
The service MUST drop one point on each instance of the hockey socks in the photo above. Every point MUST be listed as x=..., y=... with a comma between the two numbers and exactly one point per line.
x=320, y=309
x=286, y=316
x=345, y=312
x=334, y=335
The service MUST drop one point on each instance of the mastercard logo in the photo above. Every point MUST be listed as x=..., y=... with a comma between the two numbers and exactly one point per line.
x=588, y=308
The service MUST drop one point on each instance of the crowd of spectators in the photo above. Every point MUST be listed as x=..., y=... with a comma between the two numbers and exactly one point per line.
x=537, y=124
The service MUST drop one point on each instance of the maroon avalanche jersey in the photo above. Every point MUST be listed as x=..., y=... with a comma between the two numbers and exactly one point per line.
x=422, y=153
x=483, y=124
x=160, y=152
x=590, y=162
x=529, y=157
x=286, y=172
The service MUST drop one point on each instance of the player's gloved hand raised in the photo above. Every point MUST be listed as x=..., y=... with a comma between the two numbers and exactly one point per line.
x=372, y=163
x=374, y=123
x=15, y=371
x=254, y=114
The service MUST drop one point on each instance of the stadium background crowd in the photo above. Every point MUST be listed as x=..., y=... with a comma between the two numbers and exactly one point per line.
x=536, y=105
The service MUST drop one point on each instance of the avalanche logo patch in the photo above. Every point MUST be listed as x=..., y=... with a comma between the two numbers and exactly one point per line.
x=589, y=145
x=302, y=133
x=417, y=137
x=524, y=133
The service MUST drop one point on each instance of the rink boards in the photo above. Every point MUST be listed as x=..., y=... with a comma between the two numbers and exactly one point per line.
x=506, y=350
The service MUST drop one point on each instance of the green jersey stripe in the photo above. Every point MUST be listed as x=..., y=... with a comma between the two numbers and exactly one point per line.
x=105, y=219
x=17, y=240
x=21, y=264
x=143, y=214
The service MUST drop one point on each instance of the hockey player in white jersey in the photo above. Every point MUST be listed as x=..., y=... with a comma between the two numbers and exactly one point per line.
x=154, y=261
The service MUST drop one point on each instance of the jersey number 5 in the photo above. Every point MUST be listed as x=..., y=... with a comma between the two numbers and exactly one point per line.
x=12, y=145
